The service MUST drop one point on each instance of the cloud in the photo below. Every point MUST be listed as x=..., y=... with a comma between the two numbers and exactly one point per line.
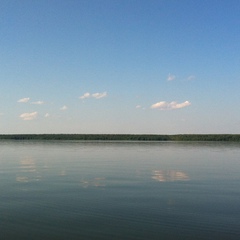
x=170, y=106
x=47, y=115
x=94, y=95
x=140, y=107
x=28, y=116
x=63, y=108
x=38, y=103
x=191, y=77
x=171, y=77
x=99, y=95
x=23, y=100
x=85, y=95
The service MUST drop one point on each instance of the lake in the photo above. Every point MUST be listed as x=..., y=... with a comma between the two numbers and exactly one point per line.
x=119, y=190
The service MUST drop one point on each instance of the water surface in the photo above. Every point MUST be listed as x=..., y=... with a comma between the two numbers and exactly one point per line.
x=119, y=190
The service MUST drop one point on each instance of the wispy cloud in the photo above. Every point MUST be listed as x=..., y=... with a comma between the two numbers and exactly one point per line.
x=64, y=108
x=23, y=100
x=171, y=77
x=94, y=95
x=191, y=77
x=47, y=115
x=38, y=103
x=170, y=105
x=85, y=95
x=140, y=107
x=28, y=116
x=99, y=95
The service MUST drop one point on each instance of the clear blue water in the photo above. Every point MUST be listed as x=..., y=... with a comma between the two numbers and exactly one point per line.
x=119, y=190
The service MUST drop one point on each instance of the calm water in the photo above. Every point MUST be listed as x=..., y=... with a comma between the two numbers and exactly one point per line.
x=112, y=190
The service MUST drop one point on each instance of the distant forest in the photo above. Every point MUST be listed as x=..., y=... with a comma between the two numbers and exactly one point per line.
x=124, y=137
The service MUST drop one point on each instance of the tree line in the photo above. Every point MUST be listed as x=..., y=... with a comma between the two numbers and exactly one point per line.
x=124, y=137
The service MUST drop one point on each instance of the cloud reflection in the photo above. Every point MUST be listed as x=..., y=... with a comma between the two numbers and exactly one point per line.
x=27, y=165
x=28, y=171
x=169, y=176
x=22, y=179
x=95, y=182
x=63, y=173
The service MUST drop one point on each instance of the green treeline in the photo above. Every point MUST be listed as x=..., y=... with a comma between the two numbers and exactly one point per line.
x=124, y=137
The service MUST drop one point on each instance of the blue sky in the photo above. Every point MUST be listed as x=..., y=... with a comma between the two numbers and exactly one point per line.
x=120, y=66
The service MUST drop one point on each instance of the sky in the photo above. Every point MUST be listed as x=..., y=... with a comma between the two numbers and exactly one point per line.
x=120, y=66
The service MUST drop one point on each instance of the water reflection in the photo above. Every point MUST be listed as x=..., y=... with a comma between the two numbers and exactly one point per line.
x=169, y=176
x=22, y=179
x=27, y=165
x=63, y=173
x=95, y=182
x=28, y=171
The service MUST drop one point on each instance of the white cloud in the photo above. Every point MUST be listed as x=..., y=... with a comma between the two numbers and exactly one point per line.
x=23, y=100
x=170, y=106
x=38, y=103
x=29, y=116
x=94, y=95
x=99, y=95
x=138, y=106
x=85, y=95
x=191, y=77
x=47, y=115
x=63, y=108
x=171, y=77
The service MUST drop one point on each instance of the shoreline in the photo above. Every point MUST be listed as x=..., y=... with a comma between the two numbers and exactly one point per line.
x=124, y=137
